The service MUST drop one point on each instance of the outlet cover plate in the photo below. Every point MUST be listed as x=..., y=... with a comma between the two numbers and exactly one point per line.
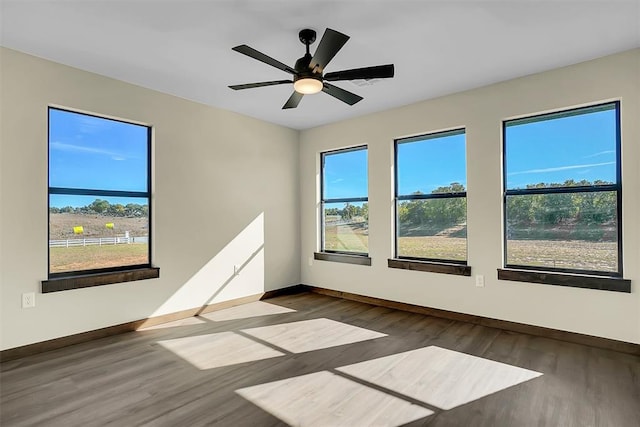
x=28, y=300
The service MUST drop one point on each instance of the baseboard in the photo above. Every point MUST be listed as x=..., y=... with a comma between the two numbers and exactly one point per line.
x=572, y=337
x=53, y=344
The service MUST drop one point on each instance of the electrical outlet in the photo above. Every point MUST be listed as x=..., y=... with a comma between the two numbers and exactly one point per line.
x=28, y=300
x=479, y=280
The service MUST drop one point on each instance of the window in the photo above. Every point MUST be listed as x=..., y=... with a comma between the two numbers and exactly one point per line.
x=344, y=204
x=562, y=192
x=431, y=198
x=99, y=192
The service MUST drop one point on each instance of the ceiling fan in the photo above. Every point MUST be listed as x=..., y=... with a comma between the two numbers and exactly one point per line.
x=308, y=73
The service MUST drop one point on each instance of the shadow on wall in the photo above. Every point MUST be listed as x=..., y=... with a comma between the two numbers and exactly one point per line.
x=236, y=271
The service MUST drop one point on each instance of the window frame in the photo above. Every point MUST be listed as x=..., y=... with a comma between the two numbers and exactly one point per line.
x=99, y=276
x=341, y=256
x=617, y=187
x=394, y=263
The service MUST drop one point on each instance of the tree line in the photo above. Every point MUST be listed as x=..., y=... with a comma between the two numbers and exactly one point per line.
x=350, y=212
x=586, y=208
x=103, y=207
x=432, y=215
x=532, y=211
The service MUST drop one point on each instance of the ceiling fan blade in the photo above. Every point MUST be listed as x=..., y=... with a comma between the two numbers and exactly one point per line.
x=343, y=95
x=260, y=84
x=367, y=73
x=251, y=52
x=293, y=100
x=331, y=42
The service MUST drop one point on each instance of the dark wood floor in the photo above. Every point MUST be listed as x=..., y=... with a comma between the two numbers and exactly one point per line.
x=161, y=377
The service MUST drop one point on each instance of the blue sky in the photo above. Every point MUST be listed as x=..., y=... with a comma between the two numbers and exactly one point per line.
x=574, y=147
x=551, y=151
x=95, y=153
x=345, y=174
x=435, y=162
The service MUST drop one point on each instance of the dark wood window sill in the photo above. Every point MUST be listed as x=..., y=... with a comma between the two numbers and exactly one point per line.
x=430, y=266
x=99, y=279
x=615, y=284
x=344, y=258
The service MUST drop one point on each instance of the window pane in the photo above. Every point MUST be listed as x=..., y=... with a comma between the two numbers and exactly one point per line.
x=87, y=233
x=346, y=227
x=96, y=153
x=433, y=228
x=577, y=231
x=435, y=164
x=345, y=174
x=564, y=149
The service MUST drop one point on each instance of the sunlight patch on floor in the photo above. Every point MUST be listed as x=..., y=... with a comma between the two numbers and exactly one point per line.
x=326, y=399
x=309, y=335
x=217, y=350
x=439, y=377
x=245, y=311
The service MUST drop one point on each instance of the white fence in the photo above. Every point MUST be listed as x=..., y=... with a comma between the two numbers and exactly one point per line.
x=96, y=241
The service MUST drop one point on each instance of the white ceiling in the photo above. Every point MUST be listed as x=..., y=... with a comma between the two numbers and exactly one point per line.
x=183, y=47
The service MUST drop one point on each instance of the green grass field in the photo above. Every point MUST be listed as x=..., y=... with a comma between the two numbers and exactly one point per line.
x=574, y=254
x=348, y=238
x=92, y=257
x=436, y=247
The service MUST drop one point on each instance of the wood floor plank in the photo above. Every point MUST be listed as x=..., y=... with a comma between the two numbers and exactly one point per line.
x=133, y=379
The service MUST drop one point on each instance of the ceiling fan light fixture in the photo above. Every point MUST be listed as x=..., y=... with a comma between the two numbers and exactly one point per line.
x=307, y=85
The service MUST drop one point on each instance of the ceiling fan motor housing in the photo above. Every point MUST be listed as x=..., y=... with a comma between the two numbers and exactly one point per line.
x=303, y=70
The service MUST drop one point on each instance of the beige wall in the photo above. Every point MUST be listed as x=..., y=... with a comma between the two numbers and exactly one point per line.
x=225, y=192
x=252, y=192
x=480, y=111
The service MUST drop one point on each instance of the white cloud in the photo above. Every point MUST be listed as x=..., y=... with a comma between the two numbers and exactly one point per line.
x=561, y=168
x=61, y=146
x=92, y=125
x=601, y=153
